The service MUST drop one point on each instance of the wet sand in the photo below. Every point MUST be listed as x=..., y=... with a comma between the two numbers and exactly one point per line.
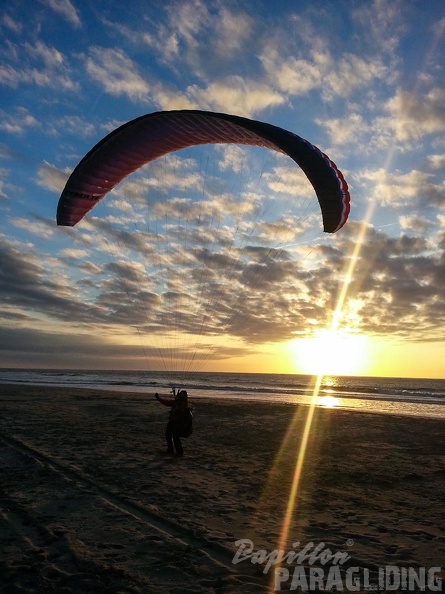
x=89, y=502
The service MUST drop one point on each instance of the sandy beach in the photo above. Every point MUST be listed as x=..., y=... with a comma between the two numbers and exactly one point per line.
x=89, y=502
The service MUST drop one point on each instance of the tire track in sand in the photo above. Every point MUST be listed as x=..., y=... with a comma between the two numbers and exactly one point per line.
x=46, y=560
x=216, y=554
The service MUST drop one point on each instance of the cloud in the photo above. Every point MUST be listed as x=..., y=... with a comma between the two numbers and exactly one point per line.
x=234, y=30
x=350, y=130
x=11, y=23
x=167, y=98
x=397, y=189
x=233, y=35
x=71, y=124
x=381, y=24
x=334, y=77
x=235, y=95
x=38, y=348
x=350, y=73
x=76, y=254
x=398, y=283
x=184, y=242
x=439, y=27
x=116, y=73
x=206, y=37
x=255, y=298
x=18, y=123
x=436, y=162
x=38, y=227
x=227, y=36
x=416, y=223
x=26, y=284
x=289, y=180
x=412, y=116
x=3, y=194
x=65, y=9
x=293, y=76
x=50, y=56
x=223, y=287
x=65, y=348
x=51, y=178
x=37, y=64
x=221, y=275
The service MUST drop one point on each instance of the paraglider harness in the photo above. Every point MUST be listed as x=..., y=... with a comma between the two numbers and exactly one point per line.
x=183, y=416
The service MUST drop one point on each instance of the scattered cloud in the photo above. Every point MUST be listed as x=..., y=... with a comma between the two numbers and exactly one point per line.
x=396, y=189
x=190, y=237
x=65, y=9
x=116, y=73
x=413, y=116
x=235, y=94
x=36, y=64
x=51, y=178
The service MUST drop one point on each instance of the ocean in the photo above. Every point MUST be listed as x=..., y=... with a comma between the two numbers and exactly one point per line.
x=399, y=396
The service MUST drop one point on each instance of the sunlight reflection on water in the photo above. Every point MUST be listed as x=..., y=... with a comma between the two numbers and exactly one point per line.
x=413, y=409
x=393, y=408
x=328, y=401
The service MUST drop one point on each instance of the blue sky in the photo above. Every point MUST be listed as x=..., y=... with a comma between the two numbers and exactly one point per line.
x=362, y=80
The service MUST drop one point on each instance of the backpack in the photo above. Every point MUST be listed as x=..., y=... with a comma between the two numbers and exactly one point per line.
x=185, y=422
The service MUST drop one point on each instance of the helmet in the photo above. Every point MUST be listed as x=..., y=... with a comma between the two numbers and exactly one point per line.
x=182, y=394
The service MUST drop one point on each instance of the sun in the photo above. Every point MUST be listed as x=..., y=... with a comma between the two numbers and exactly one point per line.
x=330, y=352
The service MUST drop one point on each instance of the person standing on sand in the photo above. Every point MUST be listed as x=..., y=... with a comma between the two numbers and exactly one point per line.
x=179, y=422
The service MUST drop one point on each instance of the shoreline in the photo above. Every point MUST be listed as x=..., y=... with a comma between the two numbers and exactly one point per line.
x=88, y=501
x=359, y=403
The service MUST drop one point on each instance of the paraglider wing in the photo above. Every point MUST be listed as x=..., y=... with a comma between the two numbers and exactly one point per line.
x=148, y=137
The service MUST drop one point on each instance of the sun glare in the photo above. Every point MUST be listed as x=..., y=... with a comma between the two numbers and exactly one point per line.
x=328, y=401
x=330, y=353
